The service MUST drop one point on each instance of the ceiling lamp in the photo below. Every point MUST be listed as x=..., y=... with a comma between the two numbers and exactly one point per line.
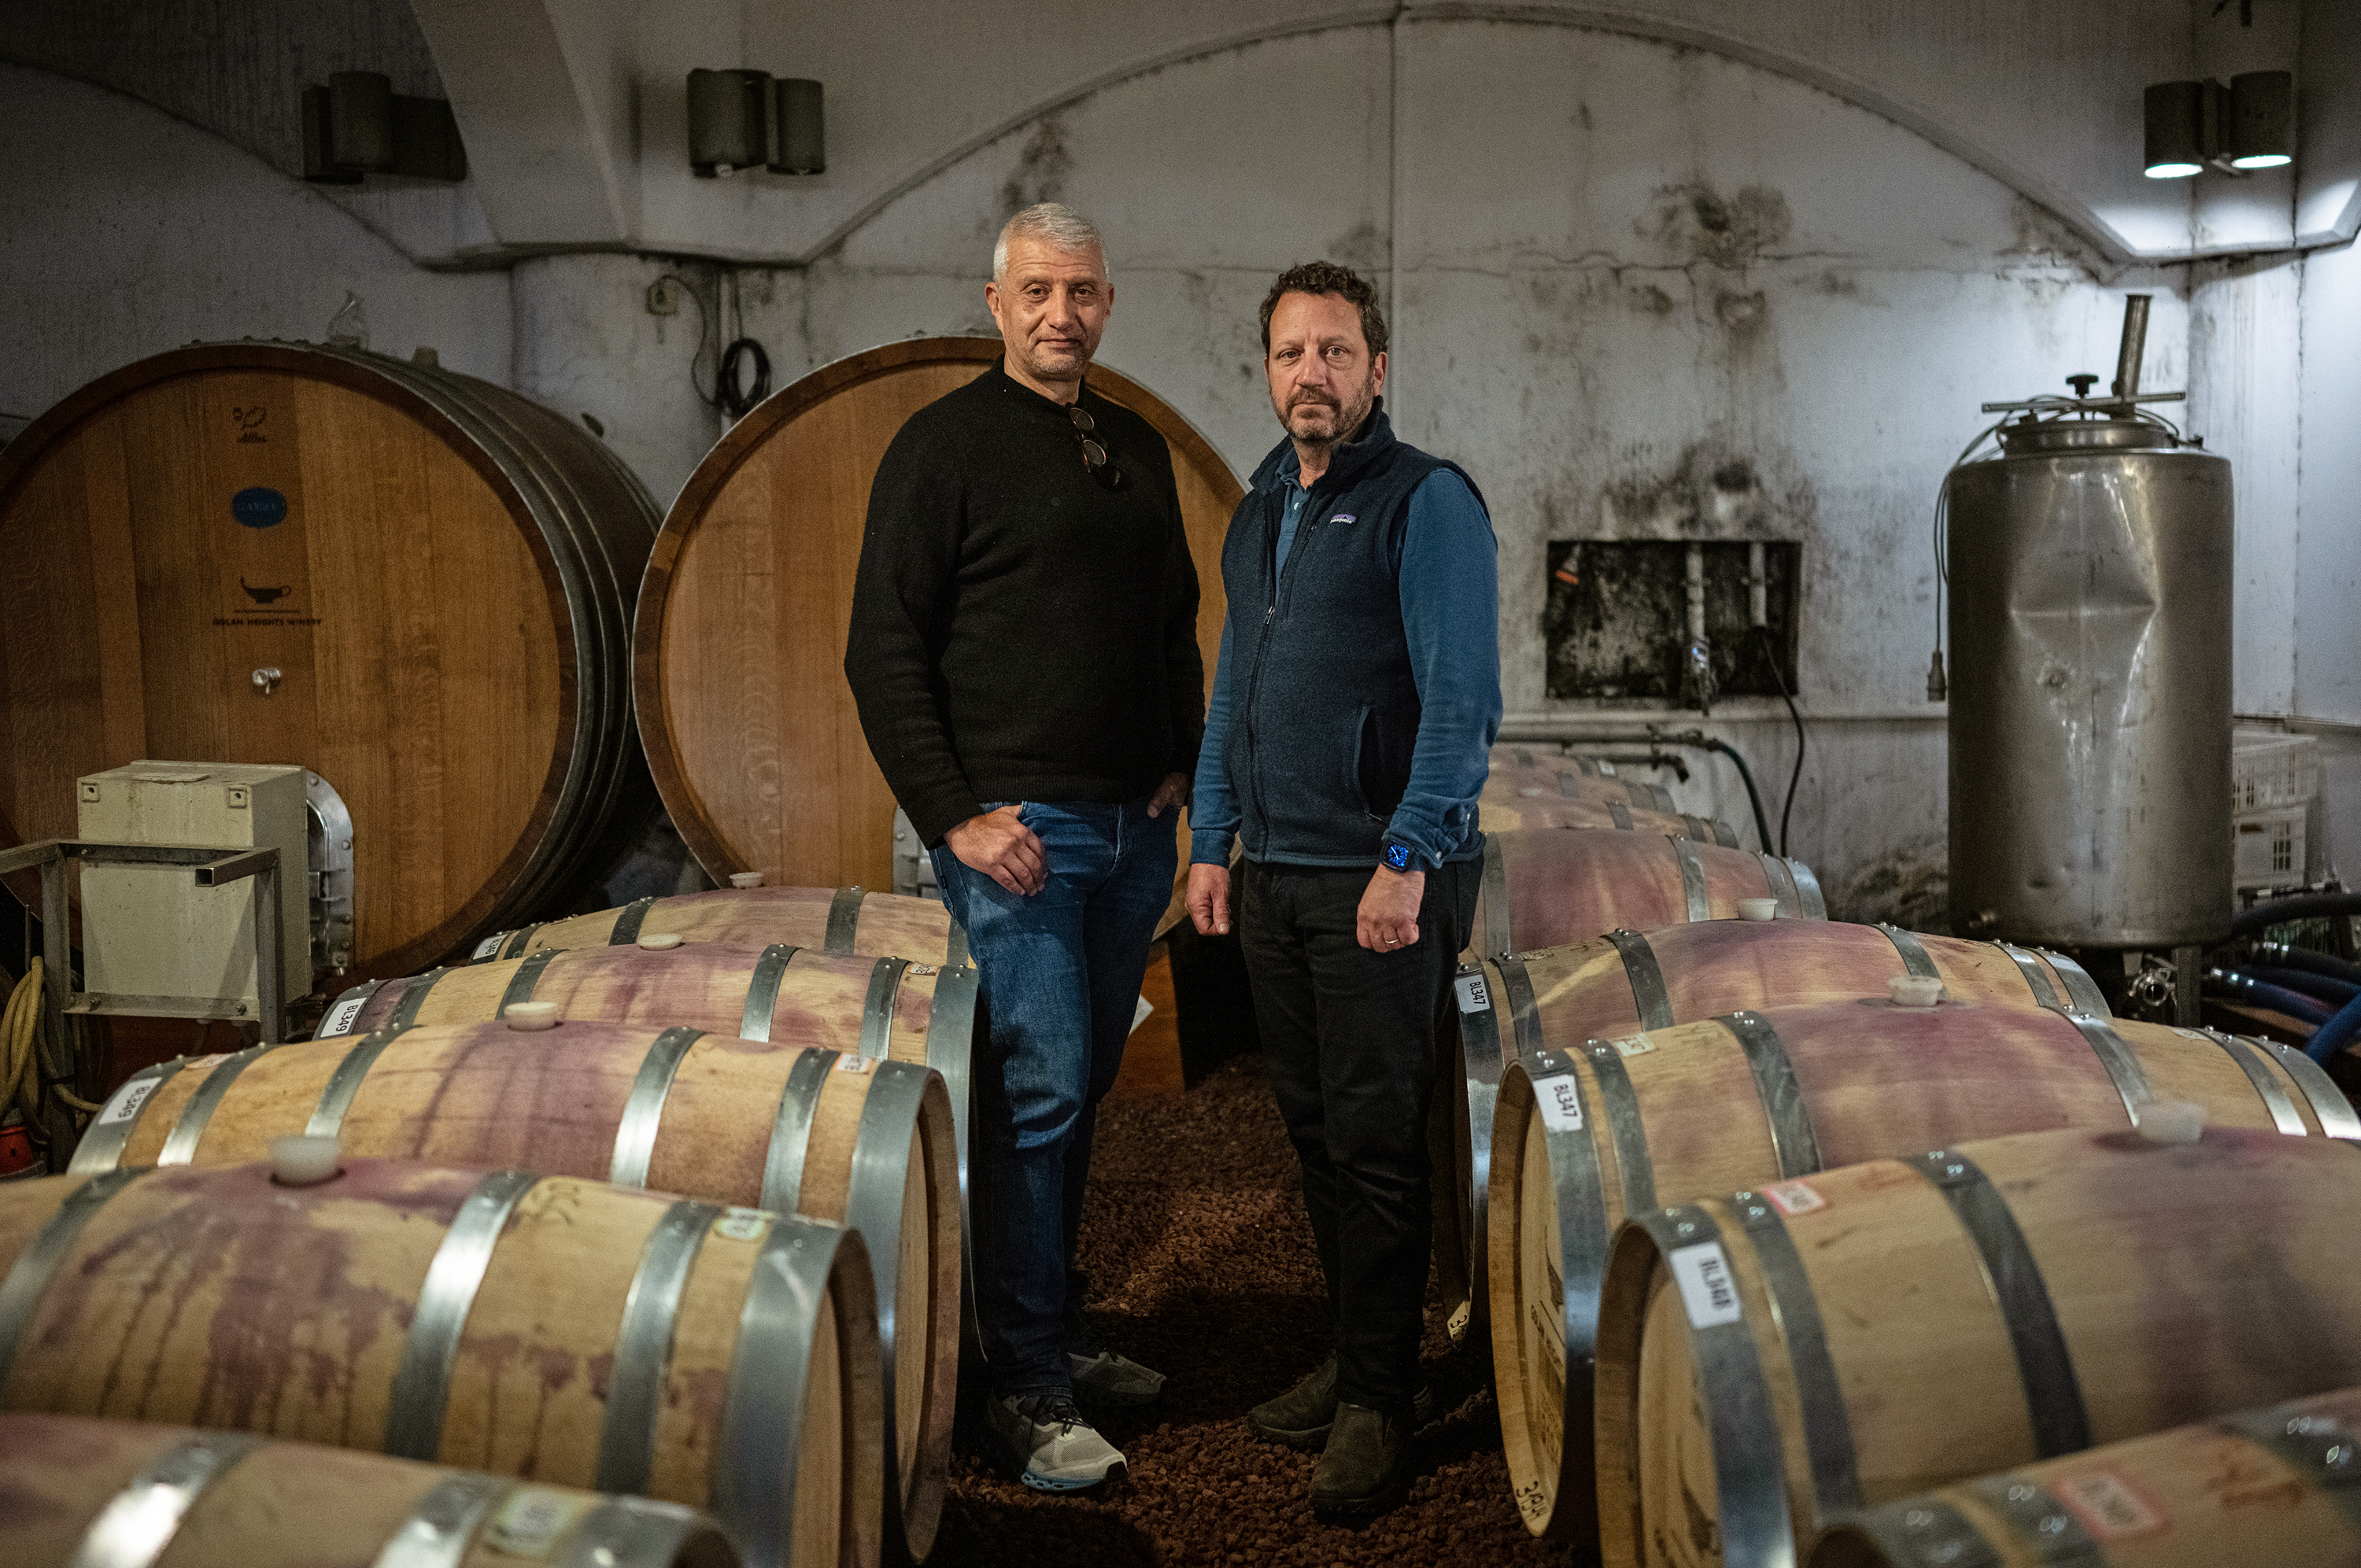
x=2191, y=126
x=2175, y=115
x=2262, y=119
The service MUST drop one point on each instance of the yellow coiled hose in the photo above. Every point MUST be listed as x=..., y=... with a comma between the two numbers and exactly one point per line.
x=20, y=1060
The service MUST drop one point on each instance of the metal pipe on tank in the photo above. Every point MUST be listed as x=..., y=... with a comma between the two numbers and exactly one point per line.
x=2133, y=345
x=1757, y=586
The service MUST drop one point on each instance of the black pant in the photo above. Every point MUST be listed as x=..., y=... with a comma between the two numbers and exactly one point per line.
x=1351, y=1038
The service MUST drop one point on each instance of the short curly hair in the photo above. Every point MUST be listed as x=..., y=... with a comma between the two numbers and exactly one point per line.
x=1328, y=277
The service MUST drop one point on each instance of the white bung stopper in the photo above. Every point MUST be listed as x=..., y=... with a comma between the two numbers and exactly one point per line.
x=658, y=941
x=530, y=1015
x=1758, y=909
x=745, y=879
x=1914, y=991
x=299, y=1159
x=2171, y=1120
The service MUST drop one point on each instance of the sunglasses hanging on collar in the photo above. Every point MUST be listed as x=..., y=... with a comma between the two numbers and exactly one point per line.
x=1102, y=468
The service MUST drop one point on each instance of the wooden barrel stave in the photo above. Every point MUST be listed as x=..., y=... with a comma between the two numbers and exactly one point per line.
x=1511, y=816
x=2260, y=1489
x=1565, y=779
x=467, y=1319
x=873, y=1146
x=840, y=921
x=1544, y=888
x=224, y=1500
x=2144, y=1286
x=1677, y=1114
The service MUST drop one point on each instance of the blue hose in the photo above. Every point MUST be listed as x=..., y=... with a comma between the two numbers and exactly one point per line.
x=2327, y=988
x=2336, y=1034
x=2280, y=953
x=2278, y=998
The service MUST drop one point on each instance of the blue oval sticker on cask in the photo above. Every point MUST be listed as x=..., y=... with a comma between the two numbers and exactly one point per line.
x=258, y=506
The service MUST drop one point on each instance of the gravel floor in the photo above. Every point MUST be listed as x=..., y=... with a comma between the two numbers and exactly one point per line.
x=1201, y=1266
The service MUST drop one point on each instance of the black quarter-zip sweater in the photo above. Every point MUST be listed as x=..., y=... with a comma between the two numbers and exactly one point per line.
x=1021, y=630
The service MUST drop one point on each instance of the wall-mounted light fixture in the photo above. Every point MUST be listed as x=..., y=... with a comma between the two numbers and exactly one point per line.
x=740, y=120
x=358, y=125
x=2191, y=126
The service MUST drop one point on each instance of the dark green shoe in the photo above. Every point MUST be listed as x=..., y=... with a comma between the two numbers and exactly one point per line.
x=1365, y=1469
x=1300, y=1416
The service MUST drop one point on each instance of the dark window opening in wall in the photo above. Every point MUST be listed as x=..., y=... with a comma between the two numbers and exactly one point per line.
x=1617, y=621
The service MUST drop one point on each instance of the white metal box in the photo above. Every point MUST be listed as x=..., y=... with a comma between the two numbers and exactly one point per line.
x=150, y=931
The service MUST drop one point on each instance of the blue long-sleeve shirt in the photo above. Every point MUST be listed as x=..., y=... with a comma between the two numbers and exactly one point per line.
x=1449, y=594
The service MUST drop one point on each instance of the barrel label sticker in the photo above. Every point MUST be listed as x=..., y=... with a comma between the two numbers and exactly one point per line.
x=340, y=1017
x=258, y=505
x=1707, y=1290
x=1473, y=997
x=2109, y=1506
x=1794, y=1197
x=532, y=1519
x=742, y=1224
x=850, y=1063
x=1561, y=1103
x=488, y=946
x=127, y=1101
x=923, y=969
x=1634, y=1044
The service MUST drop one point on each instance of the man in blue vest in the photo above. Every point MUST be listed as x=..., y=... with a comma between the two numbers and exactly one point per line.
x=1352, y=714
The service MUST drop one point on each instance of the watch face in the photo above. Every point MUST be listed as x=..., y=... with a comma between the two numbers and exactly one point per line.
x=1398, y=856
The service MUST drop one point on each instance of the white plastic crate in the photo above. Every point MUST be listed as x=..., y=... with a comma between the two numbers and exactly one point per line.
x=2269, y=848
x=2269, y=770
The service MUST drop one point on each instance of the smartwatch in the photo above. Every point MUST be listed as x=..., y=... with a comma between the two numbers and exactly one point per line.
x=1399, y=855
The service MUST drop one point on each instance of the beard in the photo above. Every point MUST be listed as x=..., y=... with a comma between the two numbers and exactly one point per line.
x=1316, y=420
x=1057, y=361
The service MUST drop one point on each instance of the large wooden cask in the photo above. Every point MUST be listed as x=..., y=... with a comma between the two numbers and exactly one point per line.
x=739, y=649
x=544, y=1327
x=1771, y=1360
x=1525, y=777
x=840, y=920
x=76, y=1493
x=2267, y=1488
x=1593, y=1132
x=439, y=572
x=1506, y=816
x=1546, y=887
x=830, y=1137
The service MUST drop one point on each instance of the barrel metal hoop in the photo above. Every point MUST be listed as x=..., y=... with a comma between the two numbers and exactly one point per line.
x=1792, y=1138
x=1928, y=1533
x=1525, y=1013
x=422, y=1383
x=635, y=1135
x=1569, y=787
x=2081, y=990
x=528, y=975
x=951, y=1044
x=783, y=1162
x=1723, y=833
x=21, y=1292
x=1749, y=1475
x=2318, y=1448
x=1620, y=814
x=1647, y=977
x=626, y=1436
x=2123, y=1067
x=2337, y=1119
x=413, y=997
x=1583, y=1235
x=2038, y=1519
x=1625, y=1125
x=1523, y=755
x=762, y=1411
x=328, y=1115
x=346, y=1010
x=444, y=1525
x=1914, y=958
x=628, y=921
x=627, y=1532
x=2053, y=1393
x=1808, y=888
x=520, y=942
x=1498, y=930
x=1783, y=887
x=877, y=1012
x=843, y=921
x=138, y=1522
x=955, y=948
x=1828, y=1427
x=2044, y=994
x=1700, y=907
x=872, y=1197
x=2284, y=1115
x=181, y=1143
x=103, y=1144
x=1481, y=1061
x=762, y=990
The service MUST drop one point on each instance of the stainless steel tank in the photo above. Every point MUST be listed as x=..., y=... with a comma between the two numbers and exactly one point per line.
x=2090, y=581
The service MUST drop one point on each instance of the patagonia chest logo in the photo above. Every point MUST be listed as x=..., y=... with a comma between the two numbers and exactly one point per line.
x=1341, y=517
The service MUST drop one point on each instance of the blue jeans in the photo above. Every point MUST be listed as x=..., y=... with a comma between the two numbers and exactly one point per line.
x=1061, y=981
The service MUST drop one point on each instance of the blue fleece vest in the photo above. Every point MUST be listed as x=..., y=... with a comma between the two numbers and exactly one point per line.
x=1325, y=710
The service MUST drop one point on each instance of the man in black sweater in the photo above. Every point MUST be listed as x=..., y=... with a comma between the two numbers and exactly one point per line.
x=1024, y=652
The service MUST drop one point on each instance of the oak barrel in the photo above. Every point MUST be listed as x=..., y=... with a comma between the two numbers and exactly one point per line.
x=1510, y=816
x=2267, y=1488
x=546, y=1328
x=1678, y=1114
x=440, y=571
x=1546, y=887
x=1771, y=1360
x=76, y=1493
x=739, y=649
x=830, y=1137
x=840, y=920
x=1571, y=778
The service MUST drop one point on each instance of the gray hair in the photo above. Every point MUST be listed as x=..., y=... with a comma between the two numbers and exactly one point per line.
x=1057, y=224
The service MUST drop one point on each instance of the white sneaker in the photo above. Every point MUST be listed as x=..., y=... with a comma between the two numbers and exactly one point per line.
x=1050, y=1445
x=1107, y=1379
